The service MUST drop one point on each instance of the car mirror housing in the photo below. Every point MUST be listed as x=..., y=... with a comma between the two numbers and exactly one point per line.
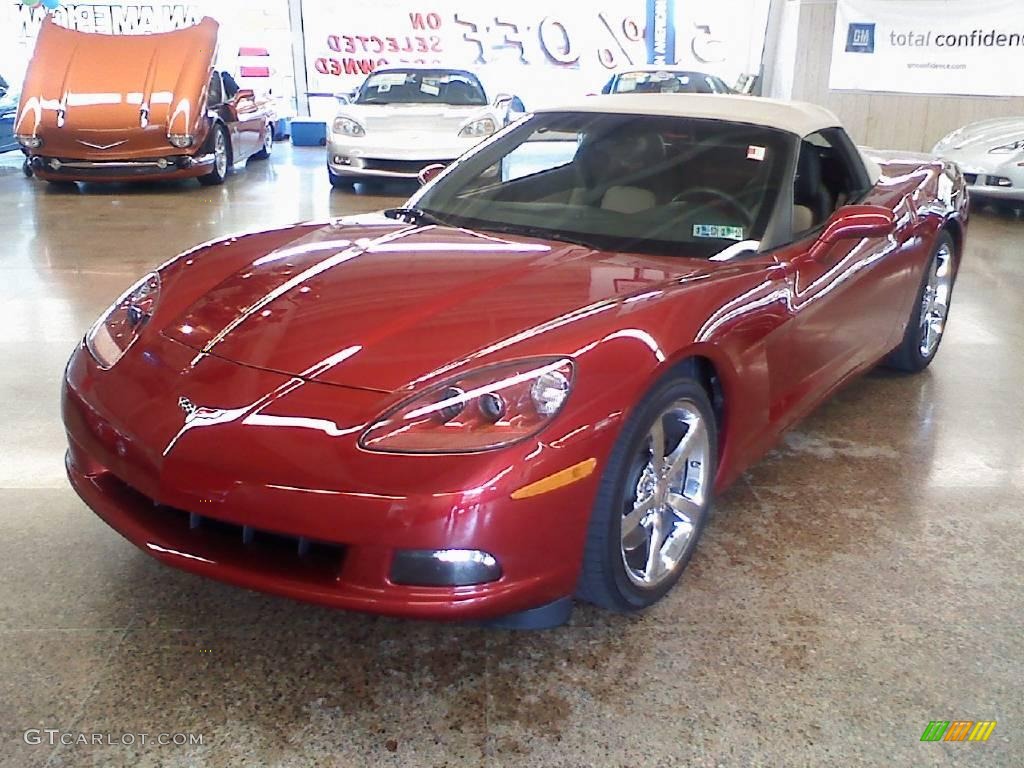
x=502, y=99
x=430, y=172
x=854, y=222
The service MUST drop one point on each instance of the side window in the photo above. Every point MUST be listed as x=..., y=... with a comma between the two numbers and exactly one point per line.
x=215, y=97
x=829, y=175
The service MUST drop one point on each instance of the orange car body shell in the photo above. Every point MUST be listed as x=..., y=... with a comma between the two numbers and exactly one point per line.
x=113, y=101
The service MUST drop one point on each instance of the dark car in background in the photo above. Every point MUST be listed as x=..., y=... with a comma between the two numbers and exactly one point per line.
x=8, y=111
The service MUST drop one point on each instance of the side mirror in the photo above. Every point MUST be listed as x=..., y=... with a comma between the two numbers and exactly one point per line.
x=429, y=173
x=855, y=222
x=345, y=97
x=502, y=99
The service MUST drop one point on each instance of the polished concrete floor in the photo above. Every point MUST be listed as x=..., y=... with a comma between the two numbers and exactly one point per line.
x=865, y=578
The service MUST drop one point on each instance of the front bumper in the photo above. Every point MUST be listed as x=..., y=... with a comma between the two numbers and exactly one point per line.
x=70, y=169
x=403, y=156
x=988, y=179
x=985, y=191
x=238, y=517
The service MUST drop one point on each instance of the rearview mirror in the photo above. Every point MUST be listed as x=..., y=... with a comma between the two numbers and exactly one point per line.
x=855, y=222
x=430, y=173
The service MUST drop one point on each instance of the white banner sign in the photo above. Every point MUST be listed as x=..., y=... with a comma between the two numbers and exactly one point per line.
x=543, y=52
x=958, y=47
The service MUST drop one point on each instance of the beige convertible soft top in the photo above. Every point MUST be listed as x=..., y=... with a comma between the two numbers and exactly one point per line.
x=795, y=117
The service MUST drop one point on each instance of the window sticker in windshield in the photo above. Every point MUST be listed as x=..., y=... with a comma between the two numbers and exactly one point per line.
x=387, y=78
x=718, y=231
x=429, y=88
x=756, y=153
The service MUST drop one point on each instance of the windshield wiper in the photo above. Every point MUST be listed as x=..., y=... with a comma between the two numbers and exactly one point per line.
x=412, y=215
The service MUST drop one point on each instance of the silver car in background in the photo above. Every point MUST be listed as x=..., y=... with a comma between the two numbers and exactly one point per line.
x=661, y=78
x=402, y=119
x=990, y=154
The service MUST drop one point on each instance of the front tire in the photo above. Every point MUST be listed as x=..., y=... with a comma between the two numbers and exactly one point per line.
x=927, y=322
x=221, y=158
x=653, y=500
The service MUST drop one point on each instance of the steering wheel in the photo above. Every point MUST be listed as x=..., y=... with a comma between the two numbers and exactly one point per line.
x=719, y=195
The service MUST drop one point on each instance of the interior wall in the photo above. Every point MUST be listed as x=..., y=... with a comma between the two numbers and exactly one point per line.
x=881, y=120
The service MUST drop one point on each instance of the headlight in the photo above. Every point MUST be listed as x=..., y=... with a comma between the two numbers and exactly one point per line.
x=181, y=140
x=348, y=127
x=120, y=325
x=485, y=126
x=488, y=408
x=30, y=142
x=1008, y=149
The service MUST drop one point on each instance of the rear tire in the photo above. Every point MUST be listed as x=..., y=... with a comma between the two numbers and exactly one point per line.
x=221, y=148
x=927, y=323
x=646, y=521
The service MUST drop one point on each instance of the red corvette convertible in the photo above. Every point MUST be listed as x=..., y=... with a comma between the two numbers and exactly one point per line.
x=527, y=384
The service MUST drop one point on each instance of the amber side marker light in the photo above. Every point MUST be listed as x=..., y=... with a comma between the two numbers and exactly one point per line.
x=560, y=479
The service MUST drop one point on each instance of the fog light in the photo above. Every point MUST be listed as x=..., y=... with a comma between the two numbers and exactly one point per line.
x=444, y=567
x=162, y=163
x=55, y=164
x=30, y=142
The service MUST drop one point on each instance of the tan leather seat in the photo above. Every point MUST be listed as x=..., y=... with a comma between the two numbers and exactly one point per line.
x=803, y=219
x=626, y=199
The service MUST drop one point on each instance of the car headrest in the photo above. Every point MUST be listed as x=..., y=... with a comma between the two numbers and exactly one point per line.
x=620, y=154
x=808, y=177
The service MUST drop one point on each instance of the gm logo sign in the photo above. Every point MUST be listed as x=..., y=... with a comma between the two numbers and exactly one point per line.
x=860, y=38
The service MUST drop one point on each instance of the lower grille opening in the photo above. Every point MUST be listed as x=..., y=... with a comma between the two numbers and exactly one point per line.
x=397, y=166
x=303, y=557
x=257, y=541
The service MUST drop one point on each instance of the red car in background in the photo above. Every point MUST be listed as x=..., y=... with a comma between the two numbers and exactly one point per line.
x=528, y=383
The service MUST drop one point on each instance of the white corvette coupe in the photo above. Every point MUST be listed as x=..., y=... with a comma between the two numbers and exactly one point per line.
x=991, y=155
x=403, y=119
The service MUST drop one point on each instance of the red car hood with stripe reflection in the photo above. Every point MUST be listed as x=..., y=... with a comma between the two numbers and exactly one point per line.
x=349, y=305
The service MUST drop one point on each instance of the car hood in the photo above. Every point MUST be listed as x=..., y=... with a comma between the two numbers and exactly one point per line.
x=378, y=305
x=983, y=136
x=413, y=118
x=83, y=89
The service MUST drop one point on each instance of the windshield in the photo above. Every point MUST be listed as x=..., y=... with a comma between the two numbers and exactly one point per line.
x=668, y=81
x=663, y=185
x=422, y=86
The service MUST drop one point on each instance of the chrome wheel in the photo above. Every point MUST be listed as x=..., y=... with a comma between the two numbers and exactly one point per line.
x=661, y=516
x=220, y=153
x=935, y=300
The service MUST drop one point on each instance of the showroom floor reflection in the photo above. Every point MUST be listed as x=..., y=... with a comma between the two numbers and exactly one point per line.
x=859, y=582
